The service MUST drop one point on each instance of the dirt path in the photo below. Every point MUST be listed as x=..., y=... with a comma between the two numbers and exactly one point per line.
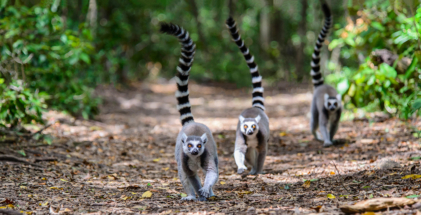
x=105, y=167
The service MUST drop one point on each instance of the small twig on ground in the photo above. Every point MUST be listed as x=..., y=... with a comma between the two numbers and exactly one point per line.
x=341, y=176
x=9, y=212
x=15, y=159
x=45, y=159
x=41, y=130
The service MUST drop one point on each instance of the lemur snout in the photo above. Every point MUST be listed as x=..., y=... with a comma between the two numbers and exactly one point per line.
x=331, y=108
x=249, y=132
x=195, y=152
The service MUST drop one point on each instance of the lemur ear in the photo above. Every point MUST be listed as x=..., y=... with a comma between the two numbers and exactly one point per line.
x=241, y=119
x=204, y=138
x=326, y=96
x=257, y=118
x=339, y=97
x=183, y=137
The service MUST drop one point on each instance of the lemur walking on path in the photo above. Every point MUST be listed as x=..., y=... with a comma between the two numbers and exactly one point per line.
x=253, y=127
x=195, y=147
x=326, y=107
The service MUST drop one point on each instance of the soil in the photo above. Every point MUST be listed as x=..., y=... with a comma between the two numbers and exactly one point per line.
x=112, y=164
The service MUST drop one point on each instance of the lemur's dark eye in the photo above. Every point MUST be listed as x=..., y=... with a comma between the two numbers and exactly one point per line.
x=190, y=145
x=199, y=146
x=254, y=126
x=336, y=104
x=245, y=126
x=329, y=104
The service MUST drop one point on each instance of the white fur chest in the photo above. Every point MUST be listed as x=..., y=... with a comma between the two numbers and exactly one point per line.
x=194, y=163
x=252, y=142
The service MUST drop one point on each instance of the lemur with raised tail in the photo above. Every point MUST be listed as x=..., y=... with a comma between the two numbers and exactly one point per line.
x=195, y=147
x=326, y=107
x=253, y=126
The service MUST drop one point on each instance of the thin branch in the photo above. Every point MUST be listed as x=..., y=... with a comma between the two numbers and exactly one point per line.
x=17, y=160
x=341, y=177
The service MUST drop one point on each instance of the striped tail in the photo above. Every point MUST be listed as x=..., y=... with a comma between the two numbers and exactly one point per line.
x=183, y=68
x=258, y=100
x=315, y=62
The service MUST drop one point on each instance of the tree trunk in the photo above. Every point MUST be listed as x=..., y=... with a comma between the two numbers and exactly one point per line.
x=265, y=24
x=195, y=12
x=299, y=58
x=91, y=17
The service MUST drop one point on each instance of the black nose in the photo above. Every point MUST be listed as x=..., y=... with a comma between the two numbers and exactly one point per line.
x=249, y=132
x=332, y=108
x=195, y=152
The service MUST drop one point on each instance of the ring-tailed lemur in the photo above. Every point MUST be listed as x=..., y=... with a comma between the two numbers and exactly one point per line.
x=253, y=126
x=195, y=147
x=326, y=106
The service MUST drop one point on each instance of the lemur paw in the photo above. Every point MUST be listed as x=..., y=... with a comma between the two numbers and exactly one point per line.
x=241, y=170
x=202, y=199
x=327, y=144
x=253, y=172
x=188, y=198
x=204, y=192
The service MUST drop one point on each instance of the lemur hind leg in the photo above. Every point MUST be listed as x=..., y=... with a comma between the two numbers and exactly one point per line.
x=314, y=122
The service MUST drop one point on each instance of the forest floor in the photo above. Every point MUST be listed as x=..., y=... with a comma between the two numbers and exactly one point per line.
x=123, y=162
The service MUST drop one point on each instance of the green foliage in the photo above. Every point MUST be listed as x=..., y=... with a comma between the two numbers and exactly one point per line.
x=19, y=104
x=376, y=85
x=50, y=58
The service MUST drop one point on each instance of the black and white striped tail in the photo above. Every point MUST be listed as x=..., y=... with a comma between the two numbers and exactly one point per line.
x=183, y=70
x=258, y=100
x=315, y=62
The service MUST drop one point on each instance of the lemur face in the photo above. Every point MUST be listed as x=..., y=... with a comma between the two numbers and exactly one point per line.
x=249, y=126
x=332, y=103
x=194, y=145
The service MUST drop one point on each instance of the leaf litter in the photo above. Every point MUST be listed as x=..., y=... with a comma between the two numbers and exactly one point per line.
x=124, y=161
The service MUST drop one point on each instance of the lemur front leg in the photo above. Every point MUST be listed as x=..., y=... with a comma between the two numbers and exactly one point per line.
x=195, y=182
x=314, y=121
x=323, y=120
x=240, y=152
x=210, y=179
x=333, y=128
x=251, y=158
x=188, y=188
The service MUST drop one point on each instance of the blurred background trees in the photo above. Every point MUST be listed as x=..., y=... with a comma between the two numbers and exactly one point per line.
x=55, y=52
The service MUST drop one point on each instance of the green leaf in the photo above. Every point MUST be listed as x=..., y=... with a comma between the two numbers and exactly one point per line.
x=366, y=187
x=378, y=26
x=48, y=139
x=416, y=105
x=183, y=195
x=387, y=71
x=22, y=152
x=411, y=67
x=335, y=43
x=343, y=86
x=412, y=196
x=415, y=158
x=85, y=58
x=331, y=196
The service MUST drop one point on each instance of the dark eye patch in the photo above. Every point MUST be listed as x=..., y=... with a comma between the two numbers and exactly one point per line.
x=336, y=104
x=328, y=104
